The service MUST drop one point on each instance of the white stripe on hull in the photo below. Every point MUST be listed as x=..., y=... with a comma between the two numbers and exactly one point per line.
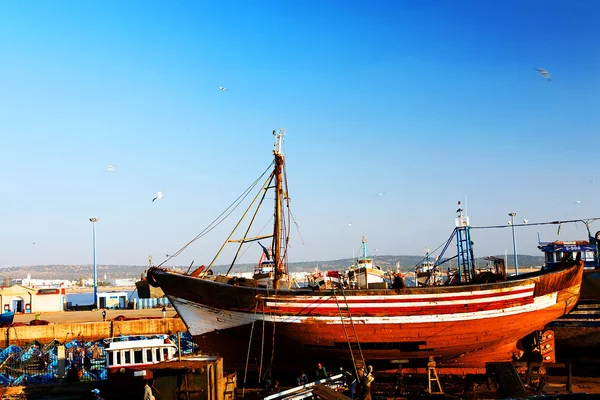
x=201, y=319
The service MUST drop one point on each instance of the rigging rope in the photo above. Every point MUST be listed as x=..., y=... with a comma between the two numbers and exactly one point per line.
x=585, y=221
x=217, y=221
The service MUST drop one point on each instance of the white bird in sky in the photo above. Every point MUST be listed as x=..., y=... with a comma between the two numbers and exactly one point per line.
x=159, y=196
x=349, y=223
x=525, y=221
x=224, y=89
x=578, y=201
x=111, y=167
x=544, y=73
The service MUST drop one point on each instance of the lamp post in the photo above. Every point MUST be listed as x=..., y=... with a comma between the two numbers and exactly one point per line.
x=512, y=216
x=93, y=221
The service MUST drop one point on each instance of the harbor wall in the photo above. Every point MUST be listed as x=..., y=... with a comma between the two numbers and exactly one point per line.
x=88, y=331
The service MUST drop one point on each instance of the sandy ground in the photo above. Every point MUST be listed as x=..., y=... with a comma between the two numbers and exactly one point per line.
x=92, y=316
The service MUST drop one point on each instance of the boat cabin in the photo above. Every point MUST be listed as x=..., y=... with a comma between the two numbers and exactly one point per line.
x=132, y=352
x=554, y=252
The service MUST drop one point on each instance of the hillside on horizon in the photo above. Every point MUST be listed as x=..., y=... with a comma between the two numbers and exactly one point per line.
x=74, y=272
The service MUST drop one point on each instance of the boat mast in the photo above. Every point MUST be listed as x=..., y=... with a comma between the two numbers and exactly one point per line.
x=278, y=235
x=364, y=248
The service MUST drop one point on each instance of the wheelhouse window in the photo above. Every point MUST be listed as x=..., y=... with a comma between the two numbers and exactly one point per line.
x=589, y=255
x=138, y=356
x=118, y=353
x=549, y=257
x=127, y=357
x=149, y=355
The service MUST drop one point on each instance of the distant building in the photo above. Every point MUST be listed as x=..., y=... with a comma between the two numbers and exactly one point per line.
x=43, y=283
x=21, y=299
x=122, y=282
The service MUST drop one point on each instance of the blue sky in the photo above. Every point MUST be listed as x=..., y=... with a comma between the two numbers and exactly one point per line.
x=425, y=102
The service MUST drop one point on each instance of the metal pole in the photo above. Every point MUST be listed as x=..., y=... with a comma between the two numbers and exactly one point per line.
x=93, y=221
x=512, y=219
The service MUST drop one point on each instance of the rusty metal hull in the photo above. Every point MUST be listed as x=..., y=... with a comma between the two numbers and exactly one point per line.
x=461, y=326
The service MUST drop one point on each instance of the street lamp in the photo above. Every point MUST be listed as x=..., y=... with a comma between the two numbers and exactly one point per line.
x=512, y=216
x=93, y=221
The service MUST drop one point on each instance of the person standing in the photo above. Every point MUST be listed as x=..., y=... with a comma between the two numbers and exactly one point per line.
x=302, y=379
x=103, y=315
x=321, y=372
x=148, y=392
x=369, y=378
x=164, y=311
x=349, y=381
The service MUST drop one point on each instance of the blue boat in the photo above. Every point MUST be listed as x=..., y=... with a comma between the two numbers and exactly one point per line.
x=577, y=334
x=588, y=250
x=6, y=318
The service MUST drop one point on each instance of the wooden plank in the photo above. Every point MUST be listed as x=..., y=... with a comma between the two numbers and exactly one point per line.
x=327, y=393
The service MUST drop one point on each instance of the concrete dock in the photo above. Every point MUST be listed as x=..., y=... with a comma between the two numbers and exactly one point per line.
x=89, y=326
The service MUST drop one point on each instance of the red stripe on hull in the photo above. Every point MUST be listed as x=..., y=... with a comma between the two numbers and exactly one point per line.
x=401, y=311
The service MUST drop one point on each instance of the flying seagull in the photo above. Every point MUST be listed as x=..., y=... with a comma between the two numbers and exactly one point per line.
x=578, y=201
x=159, y=196
x=111, y=167
x=224, y=89
x=544, y=73
x=525, y=221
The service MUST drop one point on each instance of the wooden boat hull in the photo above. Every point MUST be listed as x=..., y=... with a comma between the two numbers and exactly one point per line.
x=461, y=326
x=147, y=291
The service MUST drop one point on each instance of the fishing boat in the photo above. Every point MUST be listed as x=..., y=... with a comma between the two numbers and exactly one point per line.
x=557, y=251
x=6, y=318
x=138, y=351
x=426, y=274
x=363, y=274
x=461, y=326
x=577, y=333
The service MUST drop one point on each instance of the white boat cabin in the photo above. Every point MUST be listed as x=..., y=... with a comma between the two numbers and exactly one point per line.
x=139, y=352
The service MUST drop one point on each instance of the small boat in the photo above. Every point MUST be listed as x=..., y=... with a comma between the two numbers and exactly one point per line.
x=577, y=333
x=6, y=318
x=138, y=351
x=426, y=274
x=462, y=326
x=363, y=274
x=589, y=251
x=263, y=271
